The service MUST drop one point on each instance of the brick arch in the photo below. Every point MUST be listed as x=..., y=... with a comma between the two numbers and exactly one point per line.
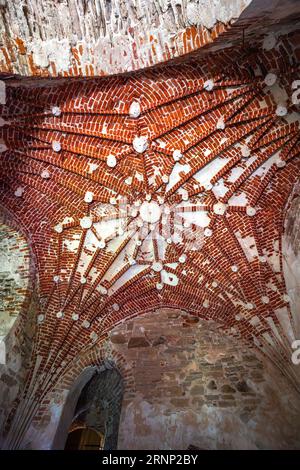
x=72, y=383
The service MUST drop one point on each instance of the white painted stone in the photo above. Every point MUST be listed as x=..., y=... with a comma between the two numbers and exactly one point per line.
x=135, y=109
x=3, y=147
x=270, y=79
x=56, y=111
x=94, y=336
x=219, y=208
x=206, y=303
x=265, y=299
x=169, y=241
x=86, y=324
x=86, y=222
x=165, y=178
x=45, y=174
x=234, y=268
x=60, y=314
x=251, y=211
x=140, y=144
x=185, y=196
x=280, y=163
x=56, y=278
x=101, y=244
x=103, y=290
x=269, y=42
x=159, y=286
x=281, y=110
x=177, y=155
x=169, y=278
x=220, y=124
x=209, y=85
x=56, y=146
x=249, y=306
x=128, y=181
x=116, y=307
x=214, y=284
x=111, y=161
x=286, y=298
x=40, y=318
x=88, y=197
x=150, y=212
x=148, y=197
x=208, y=232
x=58, y=228
x=83, y=280
x=182, y=258
x=75, y=316
x=139, y=242
x=19, y=192
x=113, y=201
x=207, y=186
x=245, y=151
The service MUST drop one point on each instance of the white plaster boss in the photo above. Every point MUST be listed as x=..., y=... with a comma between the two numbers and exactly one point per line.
x=177, y=155
x=140, y=144
x=281, y=110
x=150, y=212
x=56, y=111
x=251, y=211
x=135, y=109
x=86, y=222
x=88, y=197
x=270, y=79
x=111, y=161
x=219, y=208
x=56, y=146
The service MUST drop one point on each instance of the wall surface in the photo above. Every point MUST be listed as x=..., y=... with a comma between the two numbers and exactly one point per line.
x=17, y=308
x=76, y=37
x=291, y=254
x=14, y=276
x=195, y=386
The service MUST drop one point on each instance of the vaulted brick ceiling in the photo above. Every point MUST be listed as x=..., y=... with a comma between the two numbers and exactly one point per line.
x=166, y=187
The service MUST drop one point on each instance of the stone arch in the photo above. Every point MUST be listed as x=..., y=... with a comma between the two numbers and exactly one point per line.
x=99, y=406
x=50, y=426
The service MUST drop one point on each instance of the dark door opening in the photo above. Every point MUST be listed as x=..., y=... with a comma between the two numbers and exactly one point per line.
x=84, y=439
x=95, y=423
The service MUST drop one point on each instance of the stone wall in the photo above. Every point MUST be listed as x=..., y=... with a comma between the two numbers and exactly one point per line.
x=17, y=309
x=14, y=276
x=195, y=386
x=291, y=254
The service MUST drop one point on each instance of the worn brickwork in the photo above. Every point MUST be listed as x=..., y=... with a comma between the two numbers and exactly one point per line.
x=195, y=386
x=79, y=38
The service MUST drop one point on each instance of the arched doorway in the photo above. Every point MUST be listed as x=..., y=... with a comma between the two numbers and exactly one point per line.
x=84, y=439
x=95, y=422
